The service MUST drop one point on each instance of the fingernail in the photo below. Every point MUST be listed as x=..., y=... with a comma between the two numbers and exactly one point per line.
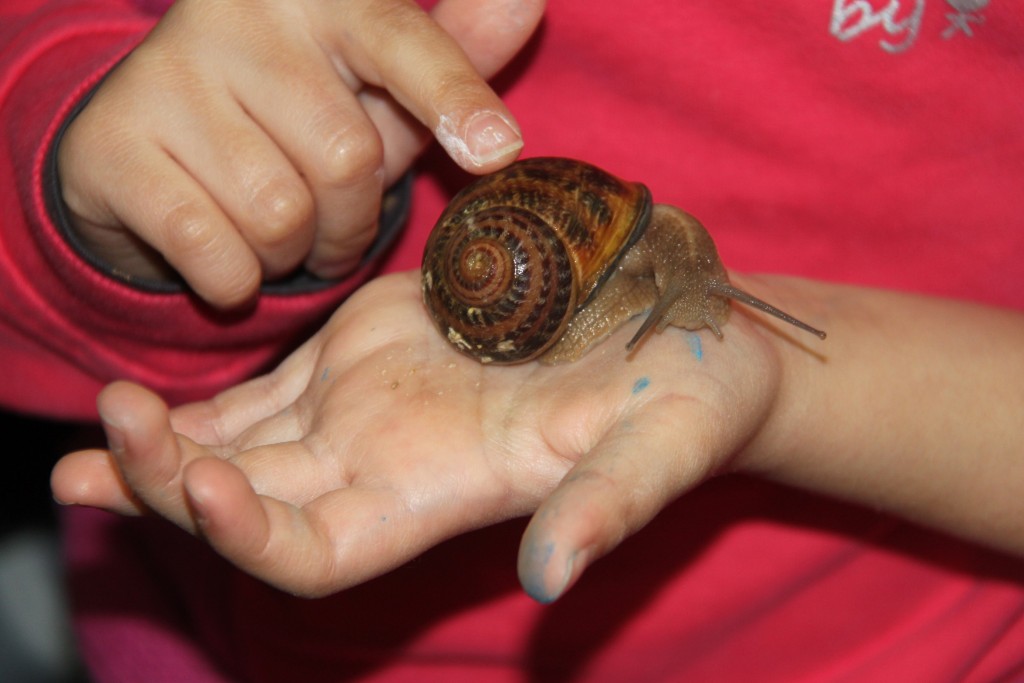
x=491, y=137
x=485, y=137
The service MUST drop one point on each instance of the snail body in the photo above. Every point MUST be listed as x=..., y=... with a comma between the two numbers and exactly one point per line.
x=547, y=257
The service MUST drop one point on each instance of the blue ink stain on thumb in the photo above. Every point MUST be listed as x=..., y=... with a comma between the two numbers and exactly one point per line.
x=640, y=385
x=531, y=572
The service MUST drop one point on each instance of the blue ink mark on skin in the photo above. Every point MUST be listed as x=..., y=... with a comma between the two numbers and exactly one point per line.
x=325, y=374
x=533, y=582
x=695, y=346
x=640, y=385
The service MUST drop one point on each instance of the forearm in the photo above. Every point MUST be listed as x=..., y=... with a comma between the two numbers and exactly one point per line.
x=916, y=407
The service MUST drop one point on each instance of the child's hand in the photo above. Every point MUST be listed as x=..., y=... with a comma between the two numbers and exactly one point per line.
x=243, y=139
x=376, y=440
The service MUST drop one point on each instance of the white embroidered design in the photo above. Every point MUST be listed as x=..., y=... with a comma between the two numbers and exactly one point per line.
x=967, y=12
x=850, y=18
x=900, y=20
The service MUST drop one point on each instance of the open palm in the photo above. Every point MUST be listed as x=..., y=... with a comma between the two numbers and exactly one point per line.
x=376, y=440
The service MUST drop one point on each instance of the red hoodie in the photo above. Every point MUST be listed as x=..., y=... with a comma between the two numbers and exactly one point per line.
x=872, y=142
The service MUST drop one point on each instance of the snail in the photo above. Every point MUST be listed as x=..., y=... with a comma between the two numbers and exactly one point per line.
x=547, y=257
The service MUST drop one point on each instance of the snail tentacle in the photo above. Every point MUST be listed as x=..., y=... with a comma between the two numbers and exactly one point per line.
x=548, y=257
x=727, y=290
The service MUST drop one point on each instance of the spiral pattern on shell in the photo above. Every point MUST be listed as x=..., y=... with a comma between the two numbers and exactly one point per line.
x=518, y=252
x=506, y=289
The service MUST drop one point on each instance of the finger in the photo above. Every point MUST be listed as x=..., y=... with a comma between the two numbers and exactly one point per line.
x=220, y=420
x=167, y=209
x=279, y=459
x=187, y=227
x=405, y=52
x=148, y=454
x=321, y=126
x=144, y=190
x=268, y=538
x=340, y=540
x=246, y=173
x=92, y=478
x=490, y=32
x=636, y=469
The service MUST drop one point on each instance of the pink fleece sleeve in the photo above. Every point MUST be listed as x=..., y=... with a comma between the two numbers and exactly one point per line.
x=66, y=327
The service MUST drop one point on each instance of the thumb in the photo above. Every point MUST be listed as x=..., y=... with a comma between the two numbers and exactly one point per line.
x=641, y=465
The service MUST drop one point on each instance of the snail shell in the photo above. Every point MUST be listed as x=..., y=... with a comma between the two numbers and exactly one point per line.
x=548, y=256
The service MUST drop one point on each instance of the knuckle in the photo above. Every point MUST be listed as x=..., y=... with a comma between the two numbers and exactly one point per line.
x=350, y=156
x=185, y=230
x=191, y=242
x=281, y=208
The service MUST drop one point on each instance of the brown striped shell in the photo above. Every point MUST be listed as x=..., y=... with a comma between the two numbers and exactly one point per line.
x=517, y=253
x=550, y=256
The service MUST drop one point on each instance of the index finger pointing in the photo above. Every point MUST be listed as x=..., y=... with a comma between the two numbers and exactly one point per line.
x=395, y=45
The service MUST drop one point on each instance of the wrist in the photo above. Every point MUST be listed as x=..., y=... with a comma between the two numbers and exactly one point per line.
x=800, y=361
